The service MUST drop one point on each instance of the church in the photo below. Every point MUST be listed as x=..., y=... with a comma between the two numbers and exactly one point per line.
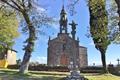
x=65, y=49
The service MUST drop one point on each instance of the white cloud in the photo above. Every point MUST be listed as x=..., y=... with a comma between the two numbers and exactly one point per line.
x=91, y=43
x=41, y=59
x=40, y=9
x=37, y=6
x=81, y=44
x=42, y=38
x=56, y=26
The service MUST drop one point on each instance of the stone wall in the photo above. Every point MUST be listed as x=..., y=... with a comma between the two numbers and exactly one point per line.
x=83, y=56
x=63, y=49
x=11, y=57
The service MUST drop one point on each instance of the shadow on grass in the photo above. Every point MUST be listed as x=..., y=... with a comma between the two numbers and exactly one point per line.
x=42, y=73
x=7, y=72
x=15, y=75
x=51, y=78
x=28, y=77
x=116, y=74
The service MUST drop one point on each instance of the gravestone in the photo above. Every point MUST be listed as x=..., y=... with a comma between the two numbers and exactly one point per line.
x=74, y=73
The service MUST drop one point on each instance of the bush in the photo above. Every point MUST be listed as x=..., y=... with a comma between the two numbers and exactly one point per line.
x=91, y=69
x=42, y=68
x=13, y=66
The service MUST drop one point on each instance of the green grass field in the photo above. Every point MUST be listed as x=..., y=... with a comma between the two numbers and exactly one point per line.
x=103, y=77
x=7, y=74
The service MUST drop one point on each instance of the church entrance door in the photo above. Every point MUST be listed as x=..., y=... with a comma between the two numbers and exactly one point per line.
x=64, y=60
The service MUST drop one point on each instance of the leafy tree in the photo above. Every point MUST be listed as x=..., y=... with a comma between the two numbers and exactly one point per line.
x=118, y=5
x=8, y=29
x=113, y=20
x=33, y=20
x=99, y=28
x=116, y=34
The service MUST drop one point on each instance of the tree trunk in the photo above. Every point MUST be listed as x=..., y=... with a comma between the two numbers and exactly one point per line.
x=103, y=58
x=30, y=45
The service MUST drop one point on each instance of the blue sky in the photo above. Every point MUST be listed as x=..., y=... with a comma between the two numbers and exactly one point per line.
x=82, y=19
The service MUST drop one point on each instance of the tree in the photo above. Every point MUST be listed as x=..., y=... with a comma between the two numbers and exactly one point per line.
x=8, y=30
x=99, y=28
x=113, y=20
x=118, y=5
x=25, y=8
x=116, y=34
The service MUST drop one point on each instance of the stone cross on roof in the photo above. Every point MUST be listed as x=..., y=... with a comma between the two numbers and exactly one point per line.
x=73, y=32
x=73, y=24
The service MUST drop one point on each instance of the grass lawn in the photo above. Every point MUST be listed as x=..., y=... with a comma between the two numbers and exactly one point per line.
x=103, y=77
x=7, y=74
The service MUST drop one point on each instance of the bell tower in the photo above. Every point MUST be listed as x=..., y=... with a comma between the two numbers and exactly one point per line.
x=63, y=21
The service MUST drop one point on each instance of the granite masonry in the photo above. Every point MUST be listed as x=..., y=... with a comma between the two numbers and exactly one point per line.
x=65, y=47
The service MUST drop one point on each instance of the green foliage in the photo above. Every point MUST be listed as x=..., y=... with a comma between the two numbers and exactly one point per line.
x=31, y=17
x=98, y=24
x=8, y=29
x=99, y=28
x=103, y=77
x=113, y=20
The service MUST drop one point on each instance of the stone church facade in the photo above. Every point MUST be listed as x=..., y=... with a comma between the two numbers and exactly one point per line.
x=65, y=49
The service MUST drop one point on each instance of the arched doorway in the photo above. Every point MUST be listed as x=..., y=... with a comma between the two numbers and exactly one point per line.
x=64, y=60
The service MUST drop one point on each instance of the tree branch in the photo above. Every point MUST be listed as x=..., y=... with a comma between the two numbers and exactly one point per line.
x=4, y=1
x=15, y=3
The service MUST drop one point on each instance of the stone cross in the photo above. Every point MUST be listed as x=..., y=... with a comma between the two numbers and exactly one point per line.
x=73, y=24
x=73, y=32
x=93, y=64
x=118, y=61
